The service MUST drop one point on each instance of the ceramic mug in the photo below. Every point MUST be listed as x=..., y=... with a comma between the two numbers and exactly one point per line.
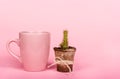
x=34, y=50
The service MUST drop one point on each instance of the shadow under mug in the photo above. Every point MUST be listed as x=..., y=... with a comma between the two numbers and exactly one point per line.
x=34, y=50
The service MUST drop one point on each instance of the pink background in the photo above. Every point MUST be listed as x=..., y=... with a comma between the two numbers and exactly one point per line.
x=94, y=29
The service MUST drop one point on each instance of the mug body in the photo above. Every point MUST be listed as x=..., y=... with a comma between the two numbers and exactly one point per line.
x=34, y=50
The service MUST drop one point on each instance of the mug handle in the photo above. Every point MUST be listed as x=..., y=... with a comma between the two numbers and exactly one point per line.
x=16, y=41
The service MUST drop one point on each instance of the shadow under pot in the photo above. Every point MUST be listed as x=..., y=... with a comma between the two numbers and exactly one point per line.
x=64, y=58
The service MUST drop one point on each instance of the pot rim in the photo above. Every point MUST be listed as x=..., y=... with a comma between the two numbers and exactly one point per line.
x=60, y=49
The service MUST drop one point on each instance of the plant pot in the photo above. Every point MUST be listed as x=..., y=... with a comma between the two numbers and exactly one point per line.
x=65, y=57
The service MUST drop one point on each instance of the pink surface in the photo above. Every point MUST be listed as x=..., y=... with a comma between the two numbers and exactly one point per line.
x=94, y=29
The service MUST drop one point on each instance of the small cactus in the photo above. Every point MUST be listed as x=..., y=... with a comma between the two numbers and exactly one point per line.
x=64, y=44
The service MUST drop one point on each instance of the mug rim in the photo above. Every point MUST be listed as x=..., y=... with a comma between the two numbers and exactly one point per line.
x=34, y=32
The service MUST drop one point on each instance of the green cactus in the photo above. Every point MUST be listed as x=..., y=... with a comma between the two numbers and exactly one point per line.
x=64, y=44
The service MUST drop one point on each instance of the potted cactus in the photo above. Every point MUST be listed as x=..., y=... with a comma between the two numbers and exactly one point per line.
x=64, y=55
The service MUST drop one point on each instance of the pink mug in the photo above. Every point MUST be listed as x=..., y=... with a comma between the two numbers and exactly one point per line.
x=34, y=50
